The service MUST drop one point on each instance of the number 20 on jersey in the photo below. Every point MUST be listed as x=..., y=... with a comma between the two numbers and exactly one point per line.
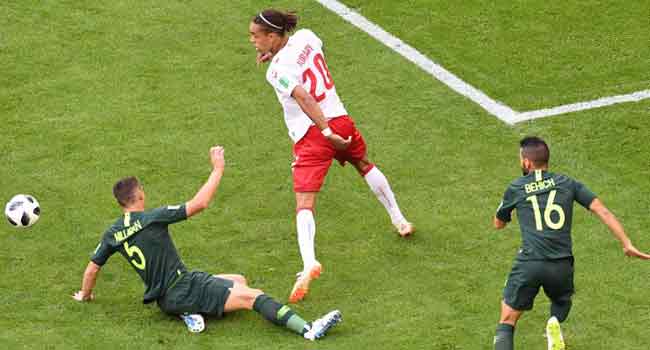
x=323, y=75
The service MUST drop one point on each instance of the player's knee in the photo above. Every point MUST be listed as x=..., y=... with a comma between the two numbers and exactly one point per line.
x=245, y=297
x=509, y=315
x=252, y=295
x=240, y=279
x=508, y=318
x=305, y=200
x=256, y=292
x=363, y=166
x=244, y=281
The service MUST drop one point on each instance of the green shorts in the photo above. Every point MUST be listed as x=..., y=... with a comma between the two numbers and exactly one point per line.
x=555, y=276
x=196, y=292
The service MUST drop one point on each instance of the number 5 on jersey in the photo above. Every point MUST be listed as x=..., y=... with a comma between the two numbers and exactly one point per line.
x=321, y=67
x=140, y=263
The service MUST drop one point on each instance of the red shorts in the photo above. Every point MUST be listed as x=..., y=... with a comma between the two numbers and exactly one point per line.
x=313, y=154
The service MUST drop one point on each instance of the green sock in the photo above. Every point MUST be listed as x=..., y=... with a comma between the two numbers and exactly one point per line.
x=504, y=338
x=279, y=314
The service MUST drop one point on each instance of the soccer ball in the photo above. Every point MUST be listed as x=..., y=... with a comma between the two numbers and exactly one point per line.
x=22, y=210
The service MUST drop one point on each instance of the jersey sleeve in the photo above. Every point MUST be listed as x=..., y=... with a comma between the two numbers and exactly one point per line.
x=583, y=195
x=103, y=251
x=311, y=37
x=282, y=79
x=508, y=203
x=169, y=214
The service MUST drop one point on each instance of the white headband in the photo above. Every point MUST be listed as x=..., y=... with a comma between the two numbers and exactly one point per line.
x=269, y=23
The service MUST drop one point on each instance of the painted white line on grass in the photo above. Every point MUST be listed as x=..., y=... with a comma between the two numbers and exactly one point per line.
x=581, y=106
x=496, y=108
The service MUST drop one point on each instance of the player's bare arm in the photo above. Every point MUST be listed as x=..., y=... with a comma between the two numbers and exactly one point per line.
x=311, y=108
x=608, y=218
x=205, y=194
x=88, y=283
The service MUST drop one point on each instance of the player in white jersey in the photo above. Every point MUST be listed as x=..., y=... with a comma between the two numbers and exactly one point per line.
x=318, y=125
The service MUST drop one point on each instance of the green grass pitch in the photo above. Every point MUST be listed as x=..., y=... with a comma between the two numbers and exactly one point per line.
x=91, y=91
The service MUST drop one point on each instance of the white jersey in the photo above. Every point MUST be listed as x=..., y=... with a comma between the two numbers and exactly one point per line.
x=301, y=62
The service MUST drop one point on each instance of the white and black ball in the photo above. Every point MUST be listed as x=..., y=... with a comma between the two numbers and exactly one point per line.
x=22, y=210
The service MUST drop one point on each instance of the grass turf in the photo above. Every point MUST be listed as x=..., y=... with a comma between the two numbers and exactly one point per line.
x=91, y=92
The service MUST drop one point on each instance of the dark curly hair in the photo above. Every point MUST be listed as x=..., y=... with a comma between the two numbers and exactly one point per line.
x=276, y=21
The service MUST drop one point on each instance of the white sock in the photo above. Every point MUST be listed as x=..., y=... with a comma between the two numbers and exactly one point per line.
x=306, y=232
x=380, y=187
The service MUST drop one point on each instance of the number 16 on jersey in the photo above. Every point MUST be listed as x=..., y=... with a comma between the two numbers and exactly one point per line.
x=550, y=208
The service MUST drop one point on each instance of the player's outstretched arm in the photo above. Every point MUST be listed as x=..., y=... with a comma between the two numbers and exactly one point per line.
x=608, y=218
x=88, y=283
x=311, y=108
x=205, y=194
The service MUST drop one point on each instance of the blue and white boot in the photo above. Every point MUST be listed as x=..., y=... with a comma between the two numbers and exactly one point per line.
x=319, y=328
x=194, y=322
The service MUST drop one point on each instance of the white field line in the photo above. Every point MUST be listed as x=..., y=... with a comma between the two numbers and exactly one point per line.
x=581, y=106
x=496, y=108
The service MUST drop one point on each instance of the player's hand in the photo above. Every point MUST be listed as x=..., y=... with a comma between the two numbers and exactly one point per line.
x=339, y=142
x=631, y=251
x=263, y=57
x=80, y=296
x=216, y=157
